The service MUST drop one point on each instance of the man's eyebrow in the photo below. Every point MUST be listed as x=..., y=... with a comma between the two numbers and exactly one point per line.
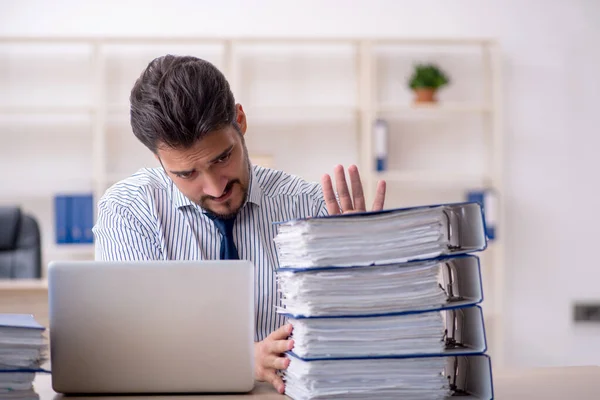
x=227, y=151
x=188, y=171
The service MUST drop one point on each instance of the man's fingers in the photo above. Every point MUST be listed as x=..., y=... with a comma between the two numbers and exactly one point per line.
x=357, y=189
x=280, y=346
x=331, y=203
x=276, y=362
x=282, y=333
x=379, y=196
x=276, y=381
x=342, y=188
x=347, y=203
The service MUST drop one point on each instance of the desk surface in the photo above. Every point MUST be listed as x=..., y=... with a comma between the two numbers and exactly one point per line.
x=568, y=383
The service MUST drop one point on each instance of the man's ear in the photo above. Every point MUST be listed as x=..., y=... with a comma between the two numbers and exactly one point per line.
x=240, y=118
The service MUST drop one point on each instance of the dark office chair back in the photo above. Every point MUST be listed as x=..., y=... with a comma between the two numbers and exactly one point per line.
x=20, y=245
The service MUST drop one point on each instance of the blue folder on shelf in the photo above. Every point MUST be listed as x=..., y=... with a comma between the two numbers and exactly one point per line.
x=74, y=218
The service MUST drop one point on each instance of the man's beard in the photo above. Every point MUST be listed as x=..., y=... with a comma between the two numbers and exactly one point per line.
x=230, y=184
x=204, y=200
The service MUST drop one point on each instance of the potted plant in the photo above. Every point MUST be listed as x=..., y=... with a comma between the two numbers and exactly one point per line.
x=426, y=80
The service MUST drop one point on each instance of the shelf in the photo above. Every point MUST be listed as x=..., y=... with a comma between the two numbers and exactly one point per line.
x=50, y=109
x=328, y=108
x=273, y=113
x=264, y=160
x=44, y=195
x=71, y=251
x=304, y=112
x=118, y=108
x=150, y=40
x=24, y=284
x=450, y=108
x=434, y=178
x=113, y=178
x=70, y=248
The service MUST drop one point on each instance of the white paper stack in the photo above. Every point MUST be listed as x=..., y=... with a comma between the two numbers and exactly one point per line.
x=362, y=291
x=369, y=295
x=394, y=335
x=407, y=379
x=23, y=350
x=361, y=239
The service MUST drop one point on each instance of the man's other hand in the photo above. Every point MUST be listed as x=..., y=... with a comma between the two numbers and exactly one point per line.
x=349, y=203
x=268, y=356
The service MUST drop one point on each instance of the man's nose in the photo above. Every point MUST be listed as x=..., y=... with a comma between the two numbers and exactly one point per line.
x=214, y=185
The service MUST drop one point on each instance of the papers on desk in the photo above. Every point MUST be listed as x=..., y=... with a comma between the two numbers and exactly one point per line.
x=384, y=304
x=368, y=336
x=23, y=350
x=468, y=377
x=376, y=290
x=450, y=331
x=359, y=291
x=412, y=378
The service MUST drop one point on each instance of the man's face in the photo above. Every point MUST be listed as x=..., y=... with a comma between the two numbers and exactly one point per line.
x=214, y=173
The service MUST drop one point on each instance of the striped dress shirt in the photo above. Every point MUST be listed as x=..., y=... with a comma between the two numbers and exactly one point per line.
x=145, y=217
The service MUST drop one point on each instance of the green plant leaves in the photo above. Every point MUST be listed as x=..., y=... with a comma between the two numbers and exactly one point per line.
x=428, y=76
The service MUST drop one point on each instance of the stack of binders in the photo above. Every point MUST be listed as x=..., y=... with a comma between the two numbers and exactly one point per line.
x=23, y=350
x=385, y=304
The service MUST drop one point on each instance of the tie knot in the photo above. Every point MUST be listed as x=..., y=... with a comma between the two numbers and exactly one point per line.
x=225, y=226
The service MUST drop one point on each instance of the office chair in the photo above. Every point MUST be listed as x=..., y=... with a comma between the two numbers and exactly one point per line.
x=20, y=245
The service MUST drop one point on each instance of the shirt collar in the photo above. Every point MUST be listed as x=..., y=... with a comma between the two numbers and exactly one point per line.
x=254, y=193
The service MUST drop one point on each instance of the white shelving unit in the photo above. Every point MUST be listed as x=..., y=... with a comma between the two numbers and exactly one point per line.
x=311, y=102
x=439, y=151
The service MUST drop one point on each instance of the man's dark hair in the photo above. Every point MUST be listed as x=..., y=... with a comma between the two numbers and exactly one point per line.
x=177, y=100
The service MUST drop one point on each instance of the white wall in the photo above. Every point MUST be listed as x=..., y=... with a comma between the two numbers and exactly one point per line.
x=552, y=93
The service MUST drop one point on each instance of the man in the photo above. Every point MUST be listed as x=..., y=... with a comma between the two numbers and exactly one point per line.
x=208, y=201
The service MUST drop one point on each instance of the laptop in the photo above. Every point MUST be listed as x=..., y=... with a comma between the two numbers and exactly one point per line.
x=151, y=326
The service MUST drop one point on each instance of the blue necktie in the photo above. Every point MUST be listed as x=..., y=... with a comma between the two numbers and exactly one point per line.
x=225, y=226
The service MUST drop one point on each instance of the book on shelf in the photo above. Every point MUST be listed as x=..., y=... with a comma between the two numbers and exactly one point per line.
x=74, y=218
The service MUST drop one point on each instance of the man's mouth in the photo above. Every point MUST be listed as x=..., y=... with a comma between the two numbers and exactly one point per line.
x=226, y=194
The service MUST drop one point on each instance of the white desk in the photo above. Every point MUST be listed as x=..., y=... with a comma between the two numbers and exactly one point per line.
x=43, y=386
x=570, y=383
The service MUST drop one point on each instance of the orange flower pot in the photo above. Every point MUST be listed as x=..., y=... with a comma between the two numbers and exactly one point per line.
x=425, y=95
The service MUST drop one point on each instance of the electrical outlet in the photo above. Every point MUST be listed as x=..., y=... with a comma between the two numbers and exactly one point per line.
x=586, y=312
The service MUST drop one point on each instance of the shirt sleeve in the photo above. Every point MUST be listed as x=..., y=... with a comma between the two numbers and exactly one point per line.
x=121, y=235
x=320, y=209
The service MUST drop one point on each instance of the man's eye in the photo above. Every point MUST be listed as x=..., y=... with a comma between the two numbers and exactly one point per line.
x=185, y=175
x=223, y=159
